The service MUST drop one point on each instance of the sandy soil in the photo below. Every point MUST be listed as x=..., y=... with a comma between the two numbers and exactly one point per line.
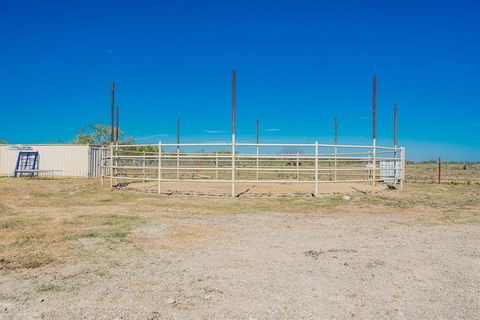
x=251, y=189
x=354, y=260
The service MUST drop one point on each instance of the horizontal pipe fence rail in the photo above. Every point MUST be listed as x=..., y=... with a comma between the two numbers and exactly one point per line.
x=252, y=163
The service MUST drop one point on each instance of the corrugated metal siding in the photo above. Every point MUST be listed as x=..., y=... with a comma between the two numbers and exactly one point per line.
x=70, y=160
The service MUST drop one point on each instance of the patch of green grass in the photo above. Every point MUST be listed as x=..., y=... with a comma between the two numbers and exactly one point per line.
x=33, y=260
x=6, y=210
x=11, y=224
x=331, y=201
x=89, y=234
x=121, y=234
x=208, y=289
x=49, y=287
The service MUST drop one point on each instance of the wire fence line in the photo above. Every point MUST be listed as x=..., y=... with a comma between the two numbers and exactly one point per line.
x=252, y=163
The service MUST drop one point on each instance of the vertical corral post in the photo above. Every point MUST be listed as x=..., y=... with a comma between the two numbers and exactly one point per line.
x=178, y=148
x=159, y=167
x=403, y=166
x=101, y=164
x=374, y=165
x=216, y=165
x=143, y=171
x=258, y=150
x=374, y=134
x=316, y=168
x=111, y=166
x=395, y=143
x=335, y=151
x=234, y=106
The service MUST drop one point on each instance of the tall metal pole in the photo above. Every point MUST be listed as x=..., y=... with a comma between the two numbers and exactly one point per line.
x=316, y=169
x=159, y=169
x=234, y=107
x=116, y=129
x=374, y=129
x=258, y=150
x=336, y=142
x=395, y=143
x=178, y=148
x=112, y=111
x=374, y=133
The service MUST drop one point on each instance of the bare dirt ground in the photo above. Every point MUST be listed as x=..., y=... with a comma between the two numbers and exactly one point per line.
x=268, y=190
x=71, y=250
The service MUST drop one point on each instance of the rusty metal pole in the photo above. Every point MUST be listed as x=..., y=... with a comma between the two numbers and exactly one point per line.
x=374, y=133
x=116, y=129
x=439, y=170
x=234, y=107
x=112, y=111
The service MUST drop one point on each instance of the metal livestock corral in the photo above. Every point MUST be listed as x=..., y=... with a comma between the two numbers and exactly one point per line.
x=244, y=163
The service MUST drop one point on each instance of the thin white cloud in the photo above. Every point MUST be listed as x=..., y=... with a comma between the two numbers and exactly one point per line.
x=214, y=131
x=152, y=137
x=272, y=130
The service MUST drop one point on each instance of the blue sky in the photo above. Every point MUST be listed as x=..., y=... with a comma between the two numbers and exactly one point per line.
x=299, y=64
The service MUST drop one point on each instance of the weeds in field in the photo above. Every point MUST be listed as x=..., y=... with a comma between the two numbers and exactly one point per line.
x=54, y=219
x=10, y=224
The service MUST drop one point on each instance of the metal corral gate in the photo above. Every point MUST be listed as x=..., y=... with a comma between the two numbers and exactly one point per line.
x=252, y=163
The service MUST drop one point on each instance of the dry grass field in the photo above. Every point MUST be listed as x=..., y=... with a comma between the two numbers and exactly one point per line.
x=72, y=250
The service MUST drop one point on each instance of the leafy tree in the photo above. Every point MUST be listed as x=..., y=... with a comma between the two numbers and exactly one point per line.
x=3, y=141
x=98, y=134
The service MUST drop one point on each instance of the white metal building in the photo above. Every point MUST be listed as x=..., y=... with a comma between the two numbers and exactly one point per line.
x=68, y=160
